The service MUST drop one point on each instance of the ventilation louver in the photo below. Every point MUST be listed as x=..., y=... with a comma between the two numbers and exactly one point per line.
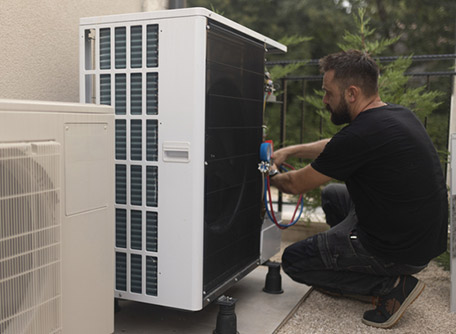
x=30, y=259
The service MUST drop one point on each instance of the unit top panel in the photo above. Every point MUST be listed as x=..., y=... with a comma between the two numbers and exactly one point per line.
x=47, y=106
x=272, y=45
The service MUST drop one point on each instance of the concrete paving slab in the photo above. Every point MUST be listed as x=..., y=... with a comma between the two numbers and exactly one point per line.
x=257, y=312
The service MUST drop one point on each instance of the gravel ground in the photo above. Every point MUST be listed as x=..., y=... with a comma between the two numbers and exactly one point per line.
x=430, y=313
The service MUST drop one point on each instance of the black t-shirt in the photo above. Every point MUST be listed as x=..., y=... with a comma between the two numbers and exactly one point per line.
x=394, y=177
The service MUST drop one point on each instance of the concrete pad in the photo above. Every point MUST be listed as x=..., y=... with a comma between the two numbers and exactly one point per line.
x=257, y=312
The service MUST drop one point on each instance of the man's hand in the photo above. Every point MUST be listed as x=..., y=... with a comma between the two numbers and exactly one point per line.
x=306, y=151
x=279, y=157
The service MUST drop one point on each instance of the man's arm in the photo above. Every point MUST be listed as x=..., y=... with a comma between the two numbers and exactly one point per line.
x=299, y=181
x=305, y=151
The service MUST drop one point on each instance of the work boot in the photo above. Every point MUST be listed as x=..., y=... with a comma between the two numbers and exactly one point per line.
x=391, y=306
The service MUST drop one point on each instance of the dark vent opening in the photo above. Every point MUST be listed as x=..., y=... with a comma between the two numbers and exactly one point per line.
x=121, y=139
x=120, y=51
x=121, y=184
x=152, y=45
x=121, y=271
x=136, y=139
x=152, y=186
x=136, y=94
x=151, y=275
x=136, y=230
x=105, y=49
x=136, y=185
x=152, y=94
x=105, y=89
x=121, y=94
x=136, y=46
x=136, y=273
x=121, y=228
x=151, y=231
x=152, y=140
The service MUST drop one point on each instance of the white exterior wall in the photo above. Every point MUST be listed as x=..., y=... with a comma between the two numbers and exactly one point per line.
x=39, y=44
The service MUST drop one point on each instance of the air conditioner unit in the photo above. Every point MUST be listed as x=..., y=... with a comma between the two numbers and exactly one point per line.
x=56, y=213
x=187, y=87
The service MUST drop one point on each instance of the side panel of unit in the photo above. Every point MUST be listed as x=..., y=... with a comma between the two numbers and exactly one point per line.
x=88, y=232
x=182, y=124
x=233, y=185
x=153, y=73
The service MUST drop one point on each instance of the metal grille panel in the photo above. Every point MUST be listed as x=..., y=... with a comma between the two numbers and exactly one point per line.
x=152, y=186
x=30, y=242
x=136, y=47
x=121, y=184
x=151, y=276
x=121, y=271
x=136, y=139
x=152, y=45
x=136, y=230
x=121, y=94
x=136, y=94
x=121, y=228
x=136, y=273
x=152, y=140
x=121, y=47
x=105, y=89
x=152, y=94
x=128, y=57
x=121, y=139
x=151, y=231
x=105, y=49
x=136, y=185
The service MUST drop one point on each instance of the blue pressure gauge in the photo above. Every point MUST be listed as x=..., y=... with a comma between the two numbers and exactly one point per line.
x=265, y=152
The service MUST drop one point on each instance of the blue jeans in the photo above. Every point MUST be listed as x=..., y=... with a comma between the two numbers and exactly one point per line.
x=336, y=260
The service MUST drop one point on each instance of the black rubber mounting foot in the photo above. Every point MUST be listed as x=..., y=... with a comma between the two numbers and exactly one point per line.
x=273, y=282
x=226, y=318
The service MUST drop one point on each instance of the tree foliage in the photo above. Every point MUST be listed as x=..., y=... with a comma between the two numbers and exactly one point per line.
x=423, y=27
x=364, y=38
x=393, y=82
x=278, y=72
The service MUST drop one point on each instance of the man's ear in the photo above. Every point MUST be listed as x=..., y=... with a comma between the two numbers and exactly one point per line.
x=352, y=93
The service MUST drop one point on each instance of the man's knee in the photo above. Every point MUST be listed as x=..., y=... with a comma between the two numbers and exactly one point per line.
x=336, y=203
x=332, y=192
x=296, y=256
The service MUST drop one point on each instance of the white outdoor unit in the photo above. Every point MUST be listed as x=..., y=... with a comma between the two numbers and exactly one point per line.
x=187, y=87
x=56, y=213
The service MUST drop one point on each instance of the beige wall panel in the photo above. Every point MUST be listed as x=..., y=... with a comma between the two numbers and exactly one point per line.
x=39, y=44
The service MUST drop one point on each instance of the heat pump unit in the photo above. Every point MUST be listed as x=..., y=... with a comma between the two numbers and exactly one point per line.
x=56, y=213
x=187, y=87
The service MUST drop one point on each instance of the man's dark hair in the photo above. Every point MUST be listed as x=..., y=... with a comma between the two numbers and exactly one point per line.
x=353, y=67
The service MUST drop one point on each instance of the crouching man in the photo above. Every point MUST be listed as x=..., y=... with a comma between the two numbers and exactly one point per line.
x=391, y=216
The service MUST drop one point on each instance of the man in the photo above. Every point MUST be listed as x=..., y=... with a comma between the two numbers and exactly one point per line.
x=391, y=216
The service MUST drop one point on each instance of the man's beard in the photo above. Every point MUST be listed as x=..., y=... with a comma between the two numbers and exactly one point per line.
x=340, y=115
